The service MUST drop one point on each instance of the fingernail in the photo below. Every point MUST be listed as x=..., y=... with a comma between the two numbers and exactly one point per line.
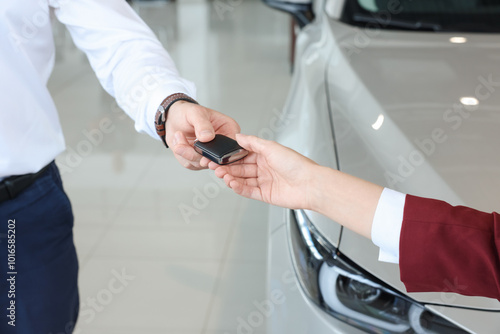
x=206, y=133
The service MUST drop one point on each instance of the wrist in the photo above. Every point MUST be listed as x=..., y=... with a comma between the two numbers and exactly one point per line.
x=162, y=112
x=346, y=199
x=176, y=104
x=320, y=178
x=176, y=108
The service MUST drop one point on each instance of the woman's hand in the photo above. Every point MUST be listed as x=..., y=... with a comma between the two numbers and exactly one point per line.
x=278, y=175
x=271, y=173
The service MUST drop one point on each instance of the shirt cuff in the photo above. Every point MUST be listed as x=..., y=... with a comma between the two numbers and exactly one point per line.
x=156, y=98
x=387, y=222
x=144, y=112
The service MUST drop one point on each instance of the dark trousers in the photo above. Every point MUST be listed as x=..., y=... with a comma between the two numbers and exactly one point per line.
x=38, y=263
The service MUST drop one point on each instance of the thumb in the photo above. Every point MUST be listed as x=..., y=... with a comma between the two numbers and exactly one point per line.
x=202, y=126
x=252, y=143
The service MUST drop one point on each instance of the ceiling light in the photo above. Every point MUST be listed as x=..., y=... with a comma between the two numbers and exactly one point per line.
x=469, y=101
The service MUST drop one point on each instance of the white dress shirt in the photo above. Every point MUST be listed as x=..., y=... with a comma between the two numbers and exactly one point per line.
x=128, y=59
x=387, y=223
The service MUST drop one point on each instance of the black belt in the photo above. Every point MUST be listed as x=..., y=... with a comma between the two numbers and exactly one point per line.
x=12, y=186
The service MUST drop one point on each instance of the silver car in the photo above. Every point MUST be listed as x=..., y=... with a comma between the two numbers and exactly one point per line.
x=404, y=94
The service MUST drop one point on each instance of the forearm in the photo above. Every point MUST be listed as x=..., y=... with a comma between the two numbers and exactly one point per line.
x=129, y=61
x=345, y=199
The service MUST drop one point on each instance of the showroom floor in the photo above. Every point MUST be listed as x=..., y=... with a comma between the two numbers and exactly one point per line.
x=163, y=249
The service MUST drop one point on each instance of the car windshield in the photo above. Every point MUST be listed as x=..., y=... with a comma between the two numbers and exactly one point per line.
x=428, y=15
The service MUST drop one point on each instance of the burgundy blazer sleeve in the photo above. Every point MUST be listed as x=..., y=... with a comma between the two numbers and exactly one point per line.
x=449, y=249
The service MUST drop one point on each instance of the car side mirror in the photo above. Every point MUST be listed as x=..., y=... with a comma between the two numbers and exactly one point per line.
x=301, y=11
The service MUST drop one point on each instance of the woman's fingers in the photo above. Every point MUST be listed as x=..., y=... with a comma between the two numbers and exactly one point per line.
x=243, y=187
x=252, y=143
x=242, y=171
x=249, y=159
x=252, y=182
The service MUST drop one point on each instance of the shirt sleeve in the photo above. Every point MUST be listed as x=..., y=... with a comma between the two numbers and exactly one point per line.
x=128, y=59
x=449, y=248
x=387, y=222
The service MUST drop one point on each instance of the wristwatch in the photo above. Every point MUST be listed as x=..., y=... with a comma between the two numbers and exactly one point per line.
x=161, y=114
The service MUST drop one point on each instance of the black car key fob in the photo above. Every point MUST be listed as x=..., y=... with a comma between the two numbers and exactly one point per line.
x=221, y=150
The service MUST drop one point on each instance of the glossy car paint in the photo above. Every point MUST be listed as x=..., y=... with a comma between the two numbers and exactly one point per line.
x=385, y=106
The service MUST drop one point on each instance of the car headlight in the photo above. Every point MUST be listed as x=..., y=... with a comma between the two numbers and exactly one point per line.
x=349, y=293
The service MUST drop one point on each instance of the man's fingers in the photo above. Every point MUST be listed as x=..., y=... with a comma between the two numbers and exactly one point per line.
x=213, y=166
x=220, y=171
x=230, y=128
x=200, y=120
x=180, y=138
x=204, y=162
x=186, y=163
x=183, y=149
x=223, y=124
x=186, y=151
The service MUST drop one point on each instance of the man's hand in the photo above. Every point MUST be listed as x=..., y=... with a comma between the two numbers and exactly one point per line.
x=188, y=121
x=271, y=173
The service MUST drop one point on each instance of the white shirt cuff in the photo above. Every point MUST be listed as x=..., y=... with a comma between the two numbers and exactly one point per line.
x=156, y=98
x=387, y=222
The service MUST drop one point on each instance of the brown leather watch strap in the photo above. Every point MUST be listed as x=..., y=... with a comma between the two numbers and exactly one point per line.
x=161, y=114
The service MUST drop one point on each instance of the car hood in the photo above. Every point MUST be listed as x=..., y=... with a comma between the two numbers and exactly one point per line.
x=399, y=121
